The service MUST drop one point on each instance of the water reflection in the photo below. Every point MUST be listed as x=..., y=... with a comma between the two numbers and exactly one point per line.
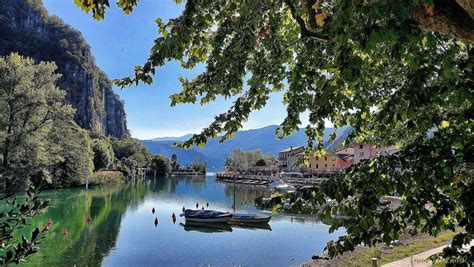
x=206, y=227
x=115, y=226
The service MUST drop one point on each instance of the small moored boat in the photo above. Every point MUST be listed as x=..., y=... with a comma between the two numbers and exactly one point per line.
x=207, y=216
x=250, y=218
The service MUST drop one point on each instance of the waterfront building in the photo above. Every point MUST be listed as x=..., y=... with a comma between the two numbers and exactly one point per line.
x=288, y=159
x=367, y=151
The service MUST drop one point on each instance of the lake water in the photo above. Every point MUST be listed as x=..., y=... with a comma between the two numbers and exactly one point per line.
x=122, y=231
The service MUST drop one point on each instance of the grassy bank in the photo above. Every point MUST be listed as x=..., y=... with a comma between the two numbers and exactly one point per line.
x=107, y=177
x=408, y=246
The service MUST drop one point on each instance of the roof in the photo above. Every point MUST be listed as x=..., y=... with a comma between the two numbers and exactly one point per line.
x=291, y=149
x=350, y=150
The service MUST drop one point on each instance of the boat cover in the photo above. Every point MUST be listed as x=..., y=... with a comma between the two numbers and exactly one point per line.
x=205, y=214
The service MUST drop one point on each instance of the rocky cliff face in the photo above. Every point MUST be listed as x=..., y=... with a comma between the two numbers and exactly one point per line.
x=26, y=28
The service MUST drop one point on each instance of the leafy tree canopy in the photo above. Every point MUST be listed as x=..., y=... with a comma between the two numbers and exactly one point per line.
x=393, y=70
x=161, y=165
x=103, y=153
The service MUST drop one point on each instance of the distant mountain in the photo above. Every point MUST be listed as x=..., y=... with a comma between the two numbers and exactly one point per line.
x=214, y=153
x=173, y=138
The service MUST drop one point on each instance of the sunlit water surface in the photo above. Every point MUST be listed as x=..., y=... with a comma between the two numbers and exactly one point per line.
x=122, y=231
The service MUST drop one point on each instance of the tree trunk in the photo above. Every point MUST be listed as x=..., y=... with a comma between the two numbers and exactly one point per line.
x=451, y=17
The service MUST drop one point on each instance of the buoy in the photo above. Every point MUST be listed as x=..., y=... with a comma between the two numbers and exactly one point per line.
x=153, y=210
x=207, y=204
x=64, y=232
x=48, y=223
x=156, y=222
x=202, y=208
x=184, y=209
x=173, y=216
x=197, y=205
x=88, y=218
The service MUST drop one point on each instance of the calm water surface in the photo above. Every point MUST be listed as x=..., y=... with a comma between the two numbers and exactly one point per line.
x=122, y=231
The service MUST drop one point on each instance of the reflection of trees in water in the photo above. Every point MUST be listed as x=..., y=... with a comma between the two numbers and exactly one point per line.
x=301, y=219
x=196, y=183
x=87, y=243
x=243, y=193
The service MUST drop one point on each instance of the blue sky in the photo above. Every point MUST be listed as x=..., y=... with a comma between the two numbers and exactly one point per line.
x=122, y=41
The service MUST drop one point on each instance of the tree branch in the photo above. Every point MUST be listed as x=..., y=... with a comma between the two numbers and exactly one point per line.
x=304, y=30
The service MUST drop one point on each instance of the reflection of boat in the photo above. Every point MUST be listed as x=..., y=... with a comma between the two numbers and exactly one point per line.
x=252, y=226
x=207, y=216
x=250, y=218
x=206, y=227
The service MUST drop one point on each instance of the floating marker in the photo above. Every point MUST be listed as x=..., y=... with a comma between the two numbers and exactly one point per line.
x=48, y=223
x=184, y=209
x=202, y=208
x=156, y=222
x=64, y=232
x=153, y=210
x=197, y=205
x=207, y=204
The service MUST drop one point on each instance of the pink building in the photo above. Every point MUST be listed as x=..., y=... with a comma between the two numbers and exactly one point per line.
x=366, y=151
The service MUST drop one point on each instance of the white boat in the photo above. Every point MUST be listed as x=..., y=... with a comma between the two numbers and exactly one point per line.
x=206, y=216
x=250, y=218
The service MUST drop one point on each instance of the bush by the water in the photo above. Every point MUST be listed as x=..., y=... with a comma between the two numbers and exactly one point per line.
x=107, y=177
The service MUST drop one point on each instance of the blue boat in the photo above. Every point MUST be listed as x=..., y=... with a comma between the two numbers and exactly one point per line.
x=207, y=216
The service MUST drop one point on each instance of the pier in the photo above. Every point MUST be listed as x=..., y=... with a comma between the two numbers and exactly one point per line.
x=266, y=176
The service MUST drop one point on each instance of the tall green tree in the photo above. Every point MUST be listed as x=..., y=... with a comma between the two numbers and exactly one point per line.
x=103, y=153
x=30, y=105
x=75, y=158
x=40, y=144
x=399, y=72
x=161, y=165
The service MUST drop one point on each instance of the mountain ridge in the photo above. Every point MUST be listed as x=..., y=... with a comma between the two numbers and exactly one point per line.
x=214, y=152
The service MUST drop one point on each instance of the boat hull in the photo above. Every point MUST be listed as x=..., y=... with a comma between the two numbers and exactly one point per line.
x=249, y=218
x=209, y=220
x=207, y=216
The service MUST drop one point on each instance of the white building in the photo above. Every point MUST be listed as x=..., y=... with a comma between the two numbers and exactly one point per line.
x=288, y=159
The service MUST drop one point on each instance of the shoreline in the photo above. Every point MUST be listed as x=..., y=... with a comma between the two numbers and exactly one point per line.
x=408, y=246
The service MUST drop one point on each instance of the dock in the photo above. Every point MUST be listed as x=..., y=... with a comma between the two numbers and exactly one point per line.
x=307, y=179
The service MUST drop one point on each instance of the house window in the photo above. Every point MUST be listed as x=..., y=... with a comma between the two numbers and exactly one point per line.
x=333, y=158
x=310, y=165
x=317, y=166
x=334, y=165
x=325, y=165
x=325, y=157
x=361, y=154
x=361, y=146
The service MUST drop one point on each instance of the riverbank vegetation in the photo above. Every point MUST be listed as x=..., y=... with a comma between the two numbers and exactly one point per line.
x=42, y=147
x=399, y=72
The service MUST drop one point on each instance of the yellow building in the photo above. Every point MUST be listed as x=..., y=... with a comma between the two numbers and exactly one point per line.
x=332, y=161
